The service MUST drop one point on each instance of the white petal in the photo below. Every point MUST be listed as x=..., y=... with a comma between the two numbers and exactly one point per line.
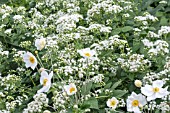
x=51, y=74
x=136, y=110
x=44, y=73
x=142, y=99
x=129, y=104
x=152, y=97
x=44, y=89
x=33, y=66
x=147, y=90
x=158, y=83
x=163, y=92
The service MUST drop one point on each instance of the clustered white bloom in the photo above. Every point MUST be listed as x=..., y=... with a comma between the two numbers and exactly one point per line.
x=159, y=47
x=164, y=30
x=146, y=17
x=136, y=62
x=40, y=100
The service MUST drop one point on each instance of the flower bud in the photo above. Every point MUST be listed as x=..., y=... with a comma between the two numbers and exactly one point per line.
x=46, y=111
x=138, y=83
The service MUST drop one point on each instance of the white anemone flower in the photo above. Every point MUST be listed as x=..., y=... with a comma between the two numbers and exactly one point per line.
x=87, y=53
x=155, y=90
x=45, y=80
x=30, y=60
x=112, y=103
x=135, y=102
x=40, y=43
x=70, y=89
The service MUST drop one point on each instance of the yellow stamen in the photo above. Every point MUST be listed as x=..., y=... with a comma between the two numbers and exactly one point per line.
x=87, y=54
x=156, y=89
x=135, y=103
x=113, y=103
x=72, y=89
x=45, y=82
x=32, y=60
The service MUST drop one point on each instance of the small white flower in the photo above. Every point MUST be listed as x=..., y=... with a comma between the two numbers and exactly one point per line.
x=112, y=103
x=138, y=83
x=87, y=53
x=46, y=111
x=155, y=91
x=30, y=60
x=40, y=43
x=135, y=101
x=45, y=80
x=70, y=89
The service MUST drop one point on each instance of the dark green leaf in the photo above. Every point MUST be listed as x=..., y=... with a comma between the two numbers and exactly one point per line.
x=92, y=102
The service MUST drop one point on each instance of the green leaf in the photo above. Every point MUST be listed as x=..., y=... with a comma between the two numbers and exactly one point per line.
x=163, y=21
x=116, y=31
x=92, y=102
x=3, y=1
x=107, y=86
x=119, y=93
x=126, y=28
x=131, y=76
x=86, y=88
x=115, y=85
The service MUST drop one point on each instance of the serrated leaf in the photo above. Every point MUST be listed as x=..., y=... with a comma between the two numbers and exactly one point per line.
x=86, y=88
x=163, y=21
x=107, y=86
x=92, y=102
x=126, y=28
x=119, y=93
x=116, y=31
x=115, y=85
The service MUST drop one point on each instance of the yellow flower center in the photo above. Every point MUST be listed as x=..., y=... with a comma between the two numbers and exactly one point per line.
x=32, y=60
x=72, y=89
x=113, y=103
x=45, y=82
x=87, y=54
x=135, y=103
x=156, y=89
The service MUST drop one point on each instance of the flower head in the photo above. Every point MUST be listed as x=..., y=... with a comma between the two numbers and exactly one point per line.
x=155, y=90
x=30, y=60
x=45, y=80
x=138, y=83
x=70, y=89
x=135, y=101
x=112, y=103
x=87, y=53
x=40, y=43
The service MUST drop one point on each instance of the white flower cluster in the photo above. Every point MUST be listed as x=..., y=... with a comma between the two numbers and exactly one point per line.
x=152, y=35
x=18, y=18
x=5, y=9
x=135, y=63
x=35, y=106
x=167, y=64
x=98, y=78
x=159, y=47
x=151, y=76
x=146, y=16
x=60, y=99
x=4, y=111
x=100, y=28
x=67, y=22
x=6, y=81
x=110, y=43
x=106, y=6
x=4, y=53
x=164, y=30
x=164, y=107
